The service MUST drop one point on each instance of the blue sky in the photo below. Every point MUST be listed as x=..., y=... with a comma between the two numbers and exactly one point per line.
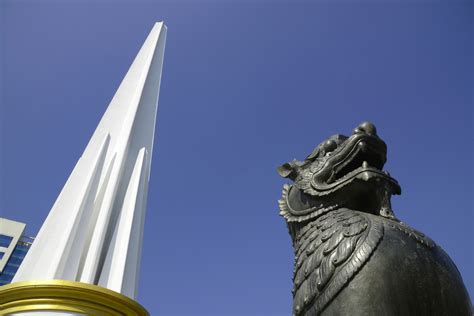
x=246, y=86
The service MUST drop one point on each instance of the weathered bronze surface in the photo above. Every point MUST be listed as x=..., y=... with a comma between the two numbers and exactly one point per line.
x=352, y=255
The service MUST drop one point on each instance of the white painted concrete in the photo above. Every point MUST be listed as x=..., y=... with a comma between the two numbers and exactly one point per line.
x=94, y=230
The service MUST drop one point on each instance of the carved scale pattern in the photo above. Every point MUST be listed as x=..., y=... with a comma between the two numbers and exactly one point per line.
x=302, y=215
x=328, y=252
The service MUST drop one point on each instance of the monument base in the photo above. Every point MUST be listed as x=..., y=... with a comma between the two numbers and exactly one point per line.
x=65, y=296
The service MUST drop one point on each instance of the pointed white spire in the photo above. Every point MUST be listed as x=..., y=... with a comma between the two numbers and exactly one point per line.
x=94, y=231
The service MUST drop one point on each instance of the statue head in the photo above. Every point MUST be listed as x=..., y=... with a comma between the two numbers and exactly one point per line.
x=342, y=171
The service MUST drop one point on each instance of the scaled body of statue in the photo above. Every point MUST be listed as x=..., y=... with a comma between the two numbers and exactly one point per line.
x=352, y=255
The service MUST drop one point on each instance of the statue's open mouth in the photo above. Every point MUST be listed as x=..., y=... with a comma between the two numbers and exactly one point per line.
x=364, y=154
x=361, y=157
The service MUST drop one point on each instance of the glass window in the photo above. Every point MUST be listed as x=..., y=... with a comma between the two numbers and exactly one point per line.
x=14, y=265
x=20, y=251
x=5, y=240
x=20, y=257
x=15, y=260
x=12, y=274
x=9, y=269
x=4, y=278
x=23, y=246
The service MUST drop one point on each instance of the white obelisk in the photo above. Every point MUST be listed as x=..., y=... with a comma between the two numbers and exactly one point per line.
x=93, y=233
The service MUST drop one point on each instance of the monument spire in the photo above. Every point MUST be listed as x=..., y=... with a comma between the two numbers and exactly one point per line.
x=93, y=233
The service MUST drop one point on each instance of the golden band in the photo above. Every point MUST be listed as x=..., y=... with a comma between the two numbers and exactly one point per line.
x=68, y=296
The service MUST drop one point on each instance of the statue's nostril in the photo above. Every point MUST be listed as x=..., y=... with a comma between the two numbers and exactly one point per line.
x=368, y=128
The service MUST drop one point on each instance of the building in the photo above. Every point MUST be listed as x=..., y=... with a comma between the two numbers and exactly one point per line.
x=13, y=248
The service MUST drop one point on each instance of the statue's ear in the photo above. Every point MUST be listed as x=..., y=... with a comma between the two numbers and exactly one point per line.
x=287, y=170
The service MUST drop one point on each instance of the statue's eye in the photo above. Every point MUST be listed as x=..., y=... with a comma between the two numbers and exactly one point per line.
x=329, y=146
